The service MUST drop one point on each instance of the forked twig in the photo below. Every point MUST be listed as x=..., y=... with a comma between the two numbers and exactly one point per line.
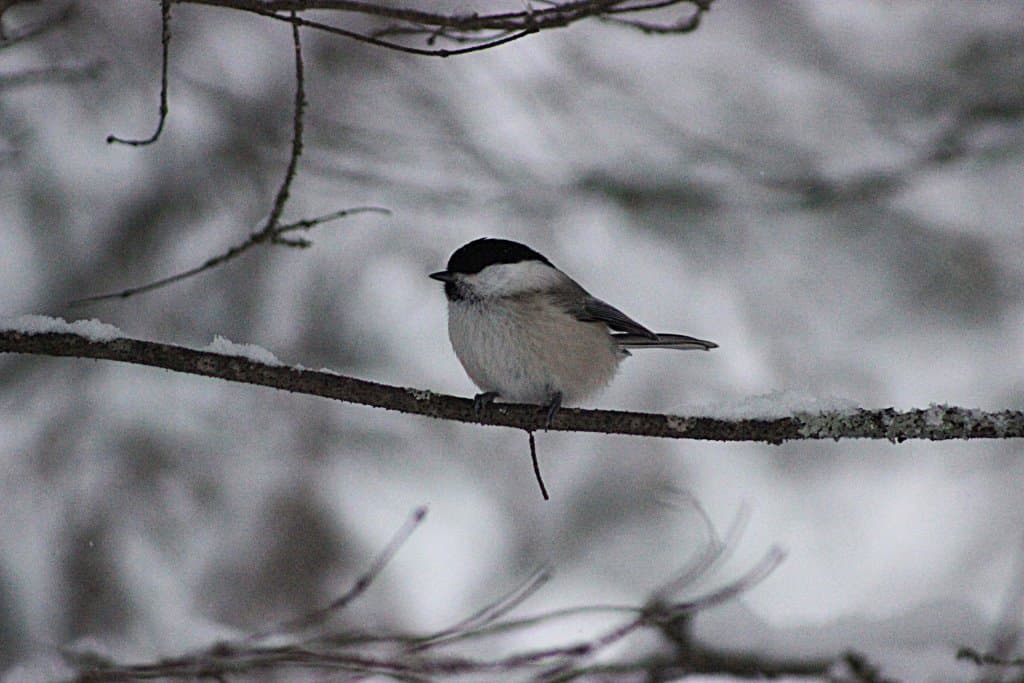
x=421, y=657
x=271, y=231
x=233, y=252
x=484, y=29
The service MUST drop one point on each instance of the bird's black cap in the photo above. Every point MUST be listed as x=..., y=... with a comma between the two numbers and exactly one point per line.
x=476, y=255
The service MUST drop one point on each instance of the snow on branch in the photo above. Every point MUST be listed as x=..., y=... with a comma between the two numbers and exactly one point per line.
x=239, y=363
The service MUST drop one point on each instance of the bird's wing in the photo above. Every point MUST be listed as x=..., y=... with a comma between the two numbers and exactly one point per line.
x=580, y=304
x=595, y=310
x=663, y=341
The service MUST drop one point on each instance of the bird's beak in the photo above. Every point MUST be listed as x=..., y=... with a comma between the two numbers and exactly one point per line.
x=443, y=276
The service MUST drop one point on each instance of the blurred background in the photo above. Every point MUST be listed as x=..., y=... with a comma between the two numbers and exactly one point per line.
x=830, y=191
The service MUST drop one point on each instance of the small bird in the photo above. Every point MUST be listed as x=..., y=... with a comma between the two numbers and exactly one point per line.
x=526, y=332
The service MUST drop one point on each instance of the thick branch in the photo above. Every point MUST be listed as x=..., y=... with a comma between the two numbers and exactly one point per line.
x=936, y=423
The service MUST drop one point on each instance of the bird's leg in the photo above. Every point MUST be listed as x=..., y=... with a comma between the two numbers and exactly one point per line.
x=552, y=408
x=481, y=401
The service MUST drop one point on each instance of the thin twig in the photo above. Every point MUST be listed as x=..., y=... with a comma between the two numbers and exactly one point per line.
x=489, y=613
x=284, y=190
x=165, y=41
x=382, y=560
x=327, y=28
x=232, y=253
x=536, y=465
x=392, y=654
x=554, y=15
x=271, y=231
x=986, y=659
x=657, y=613
x=758, y=573
x=685, y=25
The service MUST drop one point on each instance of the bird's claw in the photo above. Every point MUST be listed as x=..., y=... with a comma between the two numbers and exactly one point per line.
x=481, y=401
x=551, y=409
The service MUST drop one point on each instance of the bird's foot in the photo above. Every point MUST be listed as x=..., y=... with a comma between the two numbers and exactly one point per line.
x=552, y=408
x=481, y=401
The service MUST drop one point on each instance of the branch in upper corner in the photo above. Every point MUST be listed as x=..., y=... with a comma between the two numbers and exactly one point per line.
x=372, y=40
x=936, y=423
x=272, y=232
x=165, y=41
x=485, y=30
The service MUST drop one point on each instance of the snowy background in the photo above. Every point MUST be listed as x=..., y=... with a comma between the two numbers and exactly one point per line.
x=830, y=191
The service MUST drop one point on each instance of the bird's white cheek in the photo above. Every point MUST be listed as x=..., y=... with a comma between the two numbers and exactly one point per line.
x=507, y=279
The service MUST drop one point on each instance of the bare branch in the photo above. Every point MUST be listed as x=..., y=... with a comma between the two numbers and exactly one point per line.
x=272, y=231
x=382, y=560
x=936, y=423
x=483, y=618
x=482, y=30
x=422, y=657
x=986, y=659
x=338, y=31
x=466, y=27
x=165, y=41
x=683, y=25
x=232, y=253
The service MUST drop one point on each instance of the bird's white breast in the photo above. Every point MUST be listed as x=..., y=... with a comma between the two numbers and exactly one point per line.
x=526, y=349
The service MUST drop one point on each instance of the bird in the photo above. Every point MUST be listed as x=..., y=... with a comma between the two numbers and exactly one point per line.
x=525, y=332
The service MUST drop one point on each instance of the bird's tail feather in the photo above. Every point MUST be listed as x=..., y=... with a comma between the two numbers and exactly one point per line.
x=664, y=341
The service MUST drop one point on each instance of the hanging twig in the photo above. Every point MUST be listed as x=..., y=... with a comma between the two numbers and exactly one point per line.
x=536, y=465
x=165, y=41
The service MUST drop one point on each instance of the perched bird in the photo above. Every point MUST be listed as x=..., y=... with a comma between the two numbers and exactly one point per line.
x=526, y=332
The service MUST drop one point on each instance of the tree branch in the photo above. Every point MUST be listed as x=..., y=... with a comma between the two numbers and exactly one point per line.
x=936, y=423
x=411, y=656
x=165, y=41
x=487, y=30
